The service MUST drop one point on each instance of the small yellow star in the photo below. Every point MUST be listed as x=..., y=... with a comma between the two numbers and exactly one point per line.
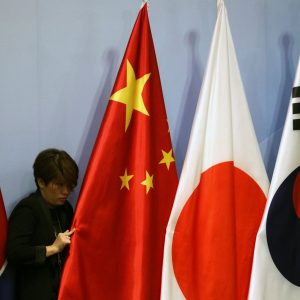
x=167, y=158
x=125, y=180
x=148, y=182
x=131, y=95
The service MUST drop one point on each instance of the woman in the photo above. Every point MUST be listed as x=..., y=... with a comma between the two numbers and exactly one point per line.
x=38, y=230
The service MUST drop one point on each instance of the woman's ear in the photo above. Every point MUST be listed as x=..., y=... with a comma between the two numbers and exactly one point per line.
x=41, y=183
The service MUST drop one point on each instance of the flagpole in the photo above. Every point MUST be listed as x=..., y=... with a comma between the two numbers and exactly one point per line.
x=145, y=2
x=220, y=3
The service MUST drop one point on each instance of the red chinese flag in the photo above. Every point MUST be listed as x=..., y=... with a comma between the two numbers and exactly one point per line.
x=3, y=235
x=129, y=187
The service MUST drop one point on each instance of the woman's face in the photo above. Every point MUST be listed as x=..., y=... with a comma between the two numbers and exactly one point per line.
x=55, y=193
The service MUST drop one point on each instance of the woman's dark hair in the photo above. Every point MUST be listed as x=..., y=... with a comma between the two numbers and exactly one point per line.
x=55, y=165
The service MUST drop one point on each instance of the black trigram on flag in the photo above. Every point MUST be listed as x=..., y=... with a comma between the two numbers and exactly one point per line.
x=296, y=108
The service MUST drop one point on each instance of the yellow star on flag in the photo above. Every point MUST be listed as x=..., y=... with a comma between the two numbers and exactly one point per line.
x=148, y=182
x=167, y=158
x=125, y=180
x=131, y=95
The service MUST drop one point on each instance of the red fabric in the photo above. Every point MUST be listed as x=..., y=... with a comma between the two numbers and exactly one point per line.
x=3, y=233
x=296, y=195
x=117, y=249
x=227, y=200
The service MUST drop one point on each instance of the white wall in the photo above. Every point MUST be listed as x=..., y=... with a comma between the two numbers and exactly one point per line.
x=59, y=60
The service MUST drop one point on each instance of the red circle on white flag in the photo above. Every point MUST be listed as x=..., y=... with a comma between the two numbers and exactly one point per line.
x=215, y=233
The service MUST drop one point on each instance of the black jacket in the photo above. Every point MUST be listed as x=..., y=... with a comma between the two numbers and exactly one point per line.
x=30, y=230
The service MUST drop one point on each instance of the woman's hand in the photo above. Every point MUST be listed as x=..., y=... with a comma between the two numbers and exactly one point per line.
x=62, y=240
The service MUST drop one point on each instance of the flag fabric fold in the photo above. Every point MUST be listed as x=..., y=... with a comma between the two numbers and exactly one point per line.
x=276, y=264
x=3, y=235
x=222, y=190
x=129, y=187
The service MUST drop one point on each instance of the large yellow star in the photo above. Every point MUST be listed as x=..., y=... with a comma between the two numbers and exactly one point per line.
x=131, y=95
x=167, y=158
x=148, y=182
x=125, y=180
